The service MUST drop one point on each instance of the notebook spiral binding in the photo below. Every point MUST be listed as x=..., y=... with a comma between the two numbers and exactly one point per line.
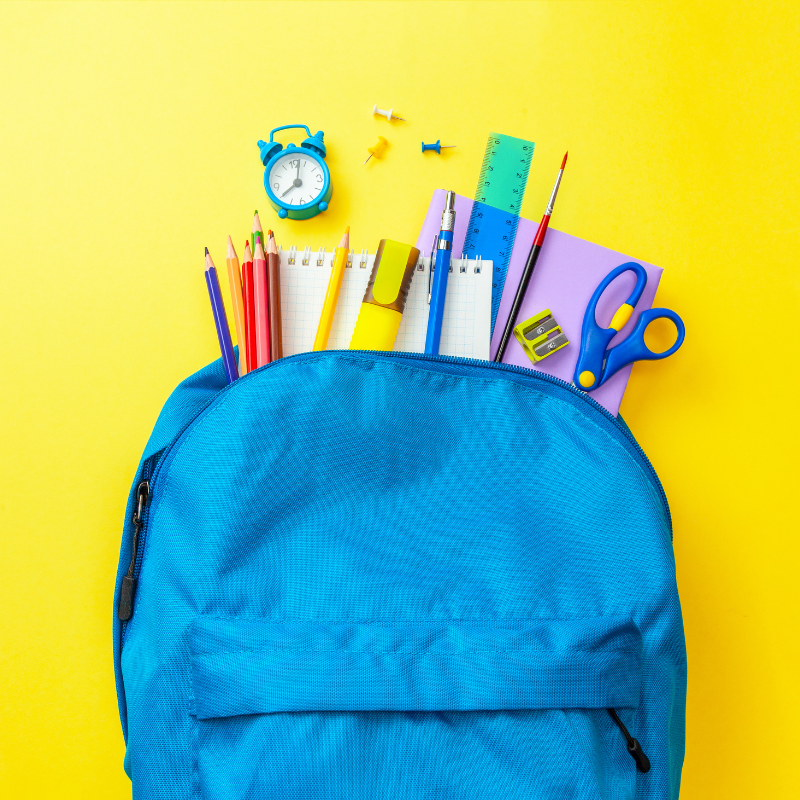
x=462, y=262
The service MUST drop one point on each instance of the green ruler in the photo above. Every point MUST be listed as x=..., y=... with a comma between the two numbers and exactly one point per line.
x=498, y=200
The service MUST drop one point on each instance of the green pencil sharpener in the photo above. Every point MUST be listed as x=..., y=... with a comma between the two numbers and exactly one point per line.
x=540, y=336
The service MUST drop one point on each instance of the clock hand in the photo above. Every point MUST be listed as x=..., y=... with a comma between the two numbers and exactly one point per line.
x=295, y=183
x=298, y=171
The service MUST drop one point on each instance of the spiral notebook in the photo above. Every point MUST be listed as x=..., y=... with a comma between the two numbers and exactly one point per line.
x=467, y=312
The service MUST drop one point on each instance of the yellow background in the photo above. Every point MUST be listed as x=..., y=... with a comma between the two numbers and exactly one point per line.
x=127, y=143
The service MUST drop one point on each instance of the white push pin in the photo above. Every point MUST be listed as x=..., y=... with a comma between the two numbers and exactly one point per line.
x=384, y=113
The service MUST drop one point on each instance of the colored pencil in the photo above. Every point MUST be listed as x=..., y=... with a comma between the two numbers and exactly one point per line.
x=248, y=298
x=533, y=257
x=261, y=298
x=274, y=278
x=257, y=233
x=220, y=320
x=332, y=294
x=235, y=279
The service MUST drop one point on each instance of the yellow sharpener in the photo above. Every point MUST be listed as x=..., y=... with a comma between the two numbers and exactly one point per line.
x=540, y=336
x=385, y=298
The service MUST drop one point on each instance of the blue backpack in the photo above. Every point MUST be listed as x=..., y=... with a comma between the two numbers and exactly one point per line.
x=369, y=576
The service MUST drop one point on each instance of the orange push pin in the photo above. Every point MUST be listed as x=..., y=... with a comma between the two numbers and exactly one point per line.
x=377, y=150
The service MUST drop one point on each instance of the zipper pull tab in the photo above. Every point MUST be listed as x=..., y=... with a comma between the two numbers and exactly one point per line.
x=634, y=748
x=642, y=761
x=128, y=588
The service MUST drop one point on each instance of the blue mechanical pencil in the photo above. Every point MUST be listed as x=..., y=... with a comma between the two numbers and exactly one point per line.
x=441, y=269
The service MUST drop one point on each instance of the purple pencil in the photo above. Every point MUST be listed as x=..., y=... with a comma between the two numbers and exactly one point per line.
x=220, y=320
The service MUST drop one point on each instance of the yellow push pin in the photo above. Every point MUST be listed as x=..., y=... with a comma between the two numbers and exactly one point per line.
x=378, y=149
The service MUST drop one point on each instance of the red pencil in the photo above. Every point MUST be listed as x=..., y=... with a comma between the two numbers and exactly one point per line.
x=249, y=308
x=261, y=298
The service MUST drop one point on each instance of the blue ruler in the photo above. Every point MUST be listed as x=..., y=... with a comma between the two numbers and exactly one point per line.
x=498, y=201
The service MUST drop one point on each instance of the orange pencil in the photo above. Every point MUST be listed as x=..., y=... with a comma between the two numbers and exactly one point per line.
x=261, y=298
x=235, y=279
x=274, y=279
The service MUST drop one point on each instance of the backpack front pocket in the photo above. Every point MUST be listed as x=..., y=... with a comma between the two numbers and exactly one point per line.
x=434, y=709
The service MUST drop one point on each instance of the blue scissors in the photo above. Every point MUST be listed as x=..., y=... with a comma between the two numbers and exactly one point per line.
x=596, y=363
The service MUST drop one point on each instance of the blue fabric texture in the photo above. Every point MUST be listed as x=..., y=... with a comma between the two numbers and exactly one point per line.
x=387, y=576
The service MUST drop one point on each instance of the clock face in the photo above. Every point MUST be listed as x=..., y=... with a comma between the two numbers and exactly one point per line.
x=296, y=179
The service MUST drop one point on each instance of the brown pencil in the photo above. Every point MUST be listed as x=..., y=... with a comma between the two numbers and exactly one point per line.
x=274, y=281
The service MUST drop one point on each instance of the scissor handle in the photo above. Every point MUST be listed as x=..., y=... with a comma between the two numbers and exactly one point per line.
x=636, y=294
x=285, y=127
x=590, y=371
x=634, y=348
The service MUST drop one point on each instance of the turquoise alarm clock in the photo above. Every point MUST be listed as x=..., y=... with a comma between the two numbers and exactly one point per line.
x=297, y=179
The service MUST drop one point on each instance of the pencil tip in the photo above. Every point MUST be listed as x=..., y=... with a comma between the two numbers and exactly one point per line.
x=565, y=159
x=206, y=251
x=347, y=229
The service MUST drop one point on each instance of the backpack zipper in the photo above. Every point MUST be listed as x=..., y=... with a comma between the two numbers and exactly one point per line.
x=529, y=374
x=152, y=464
x=143, y=494
x=634, y=748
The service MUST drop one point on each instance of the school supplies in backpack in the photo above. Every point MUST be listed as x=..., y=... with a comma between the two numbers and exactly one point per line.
x=567, y=273
x=349, y=576
x=305, y=275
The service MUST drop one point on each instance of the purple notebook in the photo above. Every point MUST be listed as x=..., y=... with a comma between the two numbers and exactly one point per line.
x=567, y=273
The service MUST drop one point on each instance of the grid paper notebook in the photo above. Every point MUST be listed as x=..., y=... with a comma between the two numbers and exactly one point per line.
x=467, y=312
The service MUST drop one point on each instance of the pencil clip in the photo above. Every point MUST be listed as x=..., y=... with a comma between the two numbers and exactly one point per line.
x=320, y=256
x=292, y=255
x=478, y=266
x=349, y=259
x=306, y=256
x=364, y=254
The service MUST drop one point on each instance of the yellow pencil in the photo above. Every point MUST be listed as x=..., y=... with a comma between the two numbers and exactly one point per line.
x=332, y=295
x=238, y=306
